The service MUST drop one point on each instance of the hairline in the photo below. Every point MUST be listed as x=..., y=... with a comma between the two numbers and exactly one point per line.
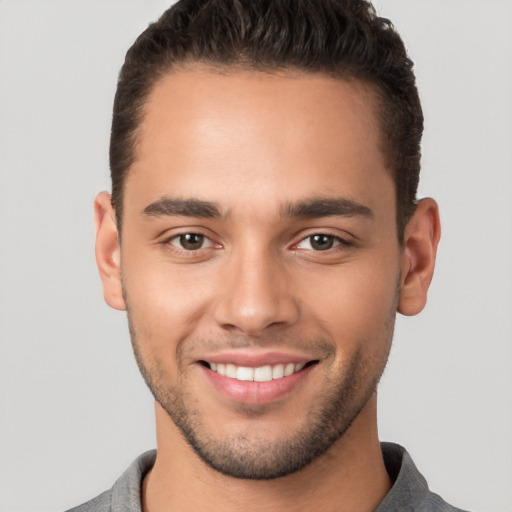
x=292, y=71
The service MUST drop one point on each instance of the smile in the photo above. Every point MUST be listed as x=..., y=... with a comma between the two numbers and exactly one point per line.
x=264, y=373
x=256, y=379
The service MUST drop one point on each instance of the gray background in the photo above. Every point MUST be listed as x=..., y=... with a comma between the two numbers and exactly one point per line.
x=73, y=409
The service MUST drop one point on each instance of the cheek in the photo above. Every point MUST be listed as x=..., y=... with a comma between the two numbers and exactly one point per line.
x=165, y=302
x=356, y=303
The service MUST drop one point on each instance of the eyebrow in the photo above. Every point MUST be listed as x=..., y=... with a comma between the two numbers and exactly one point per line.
x=168, y=206
x=326, y=207
x=308, y=208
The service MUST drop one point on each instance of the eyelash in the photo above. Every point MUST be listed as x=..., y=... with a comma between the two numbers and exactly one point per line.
x=334, y=240
x=179, y=237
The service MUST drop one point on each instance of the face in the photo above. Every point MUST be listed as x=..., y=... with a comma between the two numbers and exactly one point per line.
x=260, y=263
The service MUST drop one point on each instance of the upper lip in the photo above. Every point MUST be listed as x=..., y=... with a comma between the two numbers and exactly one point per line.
x=253, y=359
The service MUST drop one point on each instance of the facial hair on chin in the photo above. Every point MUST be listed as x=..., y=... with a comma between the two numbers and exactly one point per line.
x=247, y=455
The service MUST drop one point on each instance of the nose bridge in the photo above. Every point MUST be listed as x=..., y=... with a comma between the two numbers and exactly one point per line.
x=256, y=293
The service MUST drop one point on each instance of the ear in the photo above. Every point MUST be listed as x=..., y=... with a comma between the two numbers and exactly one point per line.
x=418, y=257
x=108, y=251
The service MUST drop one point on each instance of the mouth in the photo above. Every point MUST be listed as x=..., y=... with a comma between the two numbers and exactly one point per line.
x=257, y=377
x=265, y=373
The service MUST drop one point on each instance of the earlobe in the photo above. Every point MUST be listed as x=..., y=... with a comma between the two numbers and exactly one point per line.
x=108, y=251
x=418, y=257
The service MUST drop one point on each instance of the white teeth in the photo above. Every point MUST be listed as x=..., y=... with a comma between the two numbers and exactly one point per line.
x=244, y=373
x=289, y=369
x=278, y=371
x=261, y=374
x=231, y=371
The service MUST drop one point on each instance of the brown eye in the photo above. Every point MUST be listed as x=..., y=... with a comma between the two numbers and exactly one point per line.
x=321, y=242
x=190, y=241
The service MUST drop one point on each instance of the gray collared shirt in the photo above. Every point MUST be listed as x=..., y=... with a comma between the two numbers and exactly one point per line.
x=410, y=492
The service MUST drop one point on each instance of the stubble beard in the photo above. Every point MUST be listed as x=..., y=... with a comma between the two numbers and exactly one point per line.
x=249, y=455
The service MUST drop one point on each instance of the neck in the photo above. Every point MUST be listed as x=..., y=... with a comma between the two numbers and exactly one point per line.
x=350, y=476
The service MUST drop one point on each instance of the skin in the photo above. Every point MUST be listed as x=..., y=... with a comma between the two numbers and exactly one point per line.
x=255, y=146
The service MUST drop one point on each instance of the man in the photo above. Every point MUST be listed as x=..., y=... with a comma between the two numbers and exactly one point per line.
x=262, y=233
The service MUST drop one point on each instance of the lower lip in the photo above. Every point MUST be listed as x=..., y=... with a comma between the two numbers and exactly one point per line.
x=255, y=393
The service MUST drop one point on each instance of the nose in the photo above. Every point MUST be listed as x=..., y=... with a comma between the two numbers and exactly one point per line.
x=255, y=295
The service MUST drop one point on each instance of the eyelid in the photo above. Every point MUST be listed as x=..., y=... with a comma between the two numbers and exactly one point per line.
x=345, y=239
x=177, y=236
x=166, y=240
x=337, y=241
x=177, y=231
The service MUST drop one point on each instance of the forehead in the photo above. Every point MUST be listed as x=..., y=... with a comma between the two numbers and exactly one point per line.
x=208, y=133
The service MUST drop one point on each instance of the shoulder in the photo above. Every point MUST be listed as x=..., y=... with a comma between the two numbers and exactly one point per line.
x=410, y=491
x=99, y=504
x=126, y=492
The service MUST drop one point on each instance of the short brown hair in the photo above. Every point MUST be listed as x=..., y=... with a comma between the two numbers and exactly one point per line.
x=341, y=38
